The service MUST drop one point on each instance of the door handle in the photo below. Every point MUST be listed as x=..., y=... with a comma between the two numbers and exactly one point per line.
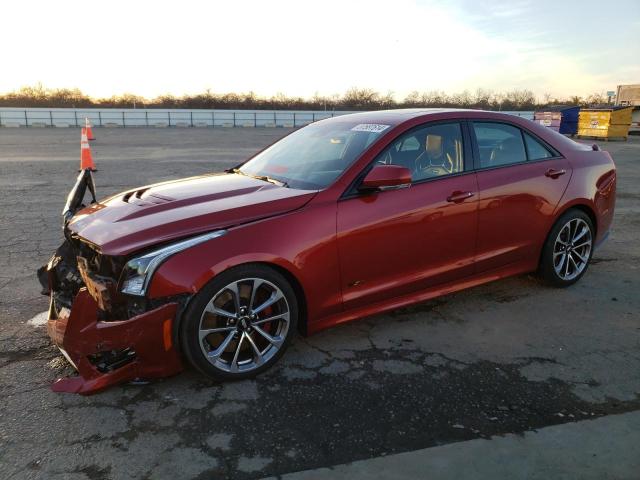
x=457, y=197
x=553, y=173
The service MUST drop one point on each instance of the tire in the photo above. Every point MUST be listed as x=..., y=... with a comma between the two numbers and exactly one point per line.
x=229, y=343
x=568, y=249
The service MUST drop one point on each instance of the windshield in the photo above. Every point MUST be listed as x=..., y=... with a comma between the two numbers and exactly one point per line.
x=314, y=156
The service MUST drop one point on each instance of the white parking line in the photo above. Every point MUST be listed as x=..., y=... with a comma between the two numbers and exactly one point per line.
x=40, y=320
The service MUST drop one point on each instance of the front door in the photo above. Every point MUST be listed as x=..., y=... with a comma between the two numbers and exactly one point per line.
x=396, y=242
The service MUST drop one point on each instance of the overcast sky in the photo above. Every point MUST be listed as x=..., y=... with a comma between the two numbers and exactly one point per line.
x=300, y=47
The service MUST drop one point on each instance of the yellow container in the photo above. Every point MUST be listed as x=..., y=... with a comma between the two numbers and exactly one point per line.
x=605, y=123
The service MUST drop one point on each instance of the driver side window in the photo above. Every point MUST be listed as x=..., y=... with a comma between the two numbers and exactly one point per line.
x=429, y=152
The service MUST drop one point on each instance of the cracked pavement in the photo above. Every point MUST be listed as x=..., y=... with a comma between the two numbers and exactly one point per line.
x=507, y=357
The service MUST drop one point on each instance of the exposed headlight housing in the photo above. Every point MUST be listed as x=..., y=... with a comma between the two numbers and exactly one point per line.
x=138, y=271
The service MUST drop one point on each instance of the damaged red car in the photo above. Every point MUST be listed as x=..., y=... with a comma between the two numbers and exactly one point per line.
x=344, y=218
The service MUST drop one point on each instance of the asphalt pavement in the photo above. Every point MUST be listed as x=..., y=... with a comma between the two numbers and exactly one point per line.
x=450, y=379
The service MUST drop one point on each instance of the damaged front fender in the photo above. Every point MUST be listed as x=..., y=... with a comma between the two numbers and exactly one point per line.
x=108, y=337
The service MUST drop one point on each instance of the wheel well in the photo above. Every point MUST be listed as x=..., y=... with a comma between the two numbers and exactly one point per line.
x=583, y=208
x=299, y=291
x=293, y=281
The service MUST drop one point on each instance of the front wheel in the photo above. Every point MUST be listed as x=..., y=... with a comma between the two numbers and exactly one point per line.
x=240, y=323
x=568, y=249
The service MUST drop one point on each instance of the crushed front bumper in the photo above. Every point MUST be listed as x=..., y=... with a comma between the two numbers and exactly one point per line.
x=110, y=352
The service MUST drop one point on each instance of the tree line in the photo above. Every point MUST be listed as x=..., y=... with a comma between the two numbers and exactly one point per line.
x=352, y=99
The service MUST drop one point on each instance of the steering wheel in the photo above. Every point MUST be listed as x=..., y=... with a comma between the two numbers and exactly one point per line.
x=430, y=170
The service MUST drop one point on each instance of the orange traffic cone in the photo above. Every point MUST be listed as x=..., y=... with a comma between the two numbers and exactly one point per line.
x=86, y=160
x=87, y=126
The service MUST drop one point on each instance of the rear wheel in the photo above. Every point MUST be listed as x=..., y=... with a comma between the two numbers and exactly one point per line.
x=568, y=249
x=240, y=323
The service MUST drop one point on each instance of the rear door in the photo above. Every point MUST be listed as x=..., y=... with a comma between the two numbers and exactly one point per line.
x=521, y=179
x=395, y=242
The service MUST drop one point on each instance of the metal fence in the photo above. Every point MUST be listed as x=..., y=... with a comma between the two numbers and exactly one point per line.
x=108, y=117
x=36, y=117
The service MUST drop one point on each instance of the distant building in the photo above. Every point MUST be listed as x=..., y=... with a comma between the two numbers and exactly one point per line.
x=628, y=95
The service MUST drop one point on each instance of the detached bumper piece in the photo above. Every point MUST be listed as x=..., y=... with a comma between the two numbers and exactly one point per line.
x=106, y=353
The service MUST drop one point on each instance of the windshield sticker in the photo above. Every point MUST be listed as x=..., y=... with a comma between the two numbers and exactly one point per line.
x=370, y=127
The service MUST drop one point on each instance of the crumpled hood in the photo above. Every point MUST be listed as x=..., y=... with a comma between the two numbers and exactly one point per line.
x=157, y=213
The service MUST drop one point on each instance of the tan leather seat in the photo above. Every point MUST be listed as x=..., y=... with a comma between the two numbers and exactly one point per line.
x=433, y=144
x=435, y=154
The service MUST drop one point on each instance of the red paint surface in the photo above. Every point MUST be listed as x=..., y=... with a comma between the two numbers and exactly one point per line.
x=410, y=243
x=351, y=256
x=387, y=176
x=405, y=240
x=150, y=215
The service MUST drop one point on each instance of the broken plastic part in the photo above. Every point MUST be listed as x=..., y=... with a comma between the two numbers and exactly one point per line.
x=77, y=193
x=81, y=336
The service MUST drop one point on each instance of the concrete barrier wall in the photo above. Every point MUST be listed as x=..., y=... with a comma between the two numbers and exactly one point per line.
x=112, y=117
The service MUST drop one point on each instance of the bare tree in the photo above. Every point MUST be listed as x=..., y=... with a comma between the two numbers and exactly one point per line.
x=354, y=99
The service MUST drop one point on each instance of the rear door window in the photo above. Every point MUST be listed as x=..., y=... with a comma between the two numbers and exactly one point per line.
x=535, y=149
x=499, y=144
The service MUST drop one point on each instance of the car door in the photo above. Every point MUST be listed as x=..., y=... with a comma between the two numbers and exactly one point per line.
x=521, y=179
x=395, y=242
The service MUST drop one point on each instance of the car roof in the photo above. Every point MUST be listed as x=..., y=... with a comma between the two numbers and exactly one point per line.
x=399, y=116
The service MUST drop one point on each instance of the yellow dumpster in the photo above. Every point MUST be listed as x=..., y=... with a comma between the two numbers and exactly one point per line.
x=611, y=122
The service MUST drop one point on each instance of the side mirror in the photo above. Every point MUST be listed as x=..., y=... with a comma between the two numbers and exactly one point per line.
x=386, y=177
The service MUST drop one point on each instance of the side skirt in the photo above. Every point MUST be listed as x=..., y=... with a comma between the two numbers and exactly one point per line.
x=510, y=270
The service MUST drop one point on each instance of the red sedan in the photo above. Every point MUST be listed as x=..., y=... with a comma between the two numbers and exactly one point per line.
x=347, y=217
